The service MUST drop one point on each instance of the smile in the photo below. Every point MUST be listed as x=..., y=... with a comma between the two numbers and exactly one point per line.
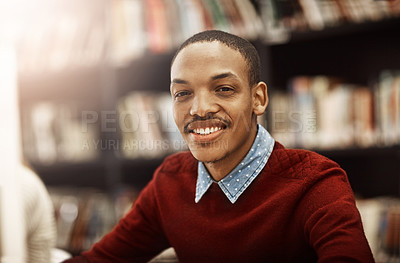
x=206, y=131
x=206, y=127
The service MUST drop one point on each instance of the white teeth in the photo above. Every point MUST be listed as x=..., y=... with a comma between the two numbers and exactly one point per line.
x=206, y=131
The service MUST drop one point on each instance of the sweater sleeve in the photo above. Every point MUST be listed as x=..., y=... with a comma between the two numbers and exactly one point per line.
x=39, y=218
x=332, y=222
x=138, y=237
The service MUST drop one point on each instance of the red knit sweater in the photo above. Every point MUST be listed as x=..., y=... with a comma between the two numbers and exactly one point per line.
x=300, y=208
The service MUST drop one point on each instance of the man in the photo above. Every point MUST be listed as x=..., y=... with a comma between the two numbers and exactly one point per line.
x=237, y=196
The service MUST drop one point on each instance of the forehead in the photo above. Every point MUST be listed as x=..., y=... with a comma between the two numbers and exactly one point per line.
x=208, y=58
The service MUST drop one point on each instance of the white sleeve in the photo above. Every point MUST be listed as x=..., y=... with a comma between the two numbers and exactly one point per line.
x=39, y=218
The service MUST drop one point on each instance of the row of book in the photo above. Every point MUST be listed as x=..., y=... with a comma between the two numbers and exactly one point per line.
x=381, y=222
x=323, y=112
x=159, y=26
x=52, y=36
x=281, y=17
x=57, y=133
x=147, y=126
x=142, y=126
x=316, y=112
x=89, y=33
x=83, y=34
x=84, y=216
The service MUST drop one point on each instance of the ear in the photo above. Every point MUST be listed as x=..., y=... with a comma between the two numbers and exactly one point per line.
x=260, y=98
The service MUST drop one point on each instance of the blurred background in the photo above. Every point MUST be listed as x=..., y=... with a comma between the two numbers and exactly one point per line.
x=95, y=109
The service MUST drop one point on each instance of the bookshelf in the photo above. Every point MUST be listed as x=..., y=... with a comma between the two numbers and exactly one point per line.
x=357, y=53
x=131, y=59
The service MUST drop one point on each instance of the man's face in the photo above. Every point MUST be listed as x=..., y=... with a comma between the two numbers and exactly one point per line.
x=213, y=106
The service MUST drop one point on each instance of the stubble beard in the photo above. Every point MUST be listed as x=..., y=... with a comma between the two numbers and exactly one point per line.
x=215, y=160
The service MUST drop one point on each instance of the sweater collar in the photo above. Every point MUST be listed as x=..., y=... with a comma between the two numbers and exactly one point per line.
x=237, y=181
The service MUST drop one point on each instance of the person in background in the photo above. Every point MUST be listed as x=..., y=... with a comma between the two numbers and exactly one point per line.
x=39, y=218
x=237, y=195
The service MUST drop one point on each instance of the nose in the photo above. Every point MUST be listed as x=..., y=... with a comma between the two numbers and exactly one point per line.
x=203, y=104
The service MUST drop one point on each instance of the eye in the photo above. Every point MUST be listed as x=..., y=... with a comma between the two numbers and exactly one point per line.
x=181, y=94
x=225, y=90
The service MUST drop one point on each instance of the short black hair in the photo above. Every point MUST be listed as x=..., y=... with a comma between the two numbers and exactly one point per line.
x=245, y=48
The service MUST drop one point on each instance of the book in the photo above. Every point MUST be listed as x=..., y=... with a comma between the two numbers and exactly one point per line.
x=85, y=215
x=328, y=113
x=127, y=34
x=387, y=107
x=381, y=221
x=280, y=120
x=146, y=126
x=156, y=21
x=58, y=133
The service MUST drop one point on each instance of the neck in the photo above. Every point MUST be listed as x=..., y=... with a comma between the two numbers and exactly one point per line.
x=221, y=168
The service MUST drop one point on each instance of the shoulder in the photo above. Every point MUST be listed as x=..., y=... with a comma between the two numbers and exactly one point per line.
x=321, y=181
x=32, y=186
x=302, y=164
x=37, y=205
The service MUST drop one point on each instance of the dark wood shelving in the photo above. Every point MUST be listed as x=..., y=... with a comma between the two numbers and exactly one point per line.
x=138, y=172
x=389, y=151
x=135, y=172
x=356, y=52
x=150, y=72
x=388, y=25
x=85, y=174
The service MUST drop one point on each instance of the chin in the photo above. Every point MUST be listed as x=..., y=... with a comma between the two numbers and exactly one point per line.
x=206, y=159
x=206, y=155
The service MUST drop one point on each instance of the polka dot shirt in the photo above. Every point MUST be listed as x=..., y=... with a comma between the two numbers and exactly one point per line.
x=237, y=181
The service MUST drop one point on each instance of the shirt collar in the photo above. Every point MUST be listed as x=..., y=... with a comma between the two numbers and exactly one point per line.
x=237, y=181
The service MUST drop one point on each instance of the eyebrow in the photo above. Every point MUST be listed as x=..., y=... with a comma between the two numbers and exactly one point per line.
x=179, y=81
x=223, y=76
x=213, y=78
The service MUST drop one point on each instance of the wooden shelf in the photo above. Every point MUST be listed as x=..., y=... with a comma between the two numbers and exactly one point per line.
x=346, y=29
x=390, y=151
x=357, y=57
x=86, y=174
x=138, y=172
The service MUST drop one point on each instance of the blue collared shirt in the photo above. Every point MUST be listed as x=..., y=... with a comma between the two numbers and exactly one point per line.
x=237, y=181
